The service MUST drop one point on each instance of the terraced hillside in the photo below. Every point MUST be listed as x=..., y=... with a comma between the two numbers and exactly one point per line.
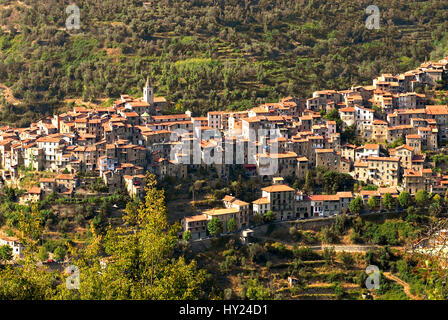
x=205, y=54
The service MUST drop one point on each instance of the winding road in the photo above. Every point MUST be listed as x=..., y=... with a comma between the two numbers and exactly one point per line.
x=405, y=285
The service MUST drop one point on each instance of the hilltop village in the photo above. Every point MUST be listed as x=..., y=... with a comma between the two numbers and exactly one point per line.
x=395, y=128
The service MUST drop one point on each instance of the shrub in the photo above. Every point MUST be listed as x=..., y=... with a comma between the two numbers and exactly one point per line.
x=328, y=235
x=187, y=235
x=341, y=224
x=228, y=263
x=228, y=294
x=347, y=259
x=329, y=254
x=308, y=237
x=79, y=220
x=60, y=253
x=256, y=291
x=257, y=253
x=338, y=290
x=63, y=226
x=305, y=253
x=42, y=254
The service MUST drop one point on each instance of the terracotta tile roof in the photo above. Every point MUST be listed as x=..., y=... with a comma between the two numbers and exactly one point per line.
x=323, y=197
x=130, y=114
x=34, y=190
x=48, y=139
x=345, y=194
x=369, y=192
x=361, y=164
x=139, y=104
x=383, y=159
x=437, y=110
x=253, y=119
x=391, y=190
x=263, y=200
x=324, y=150
x=239, y=203
x=379, y=122
x=171, y=116
x=405, y=146
x=228, y=198
x=371, y=146
x=200, y=217
x=216, y=212
x=278, y=188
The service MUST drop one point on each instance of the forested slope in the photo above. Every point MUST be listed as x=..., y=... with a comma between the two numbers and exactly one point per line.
x=206, y=54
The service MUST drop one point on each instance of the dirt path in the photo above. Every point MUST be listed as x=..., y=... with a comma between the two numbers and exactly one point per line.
x=405, y=285
x=7, y=93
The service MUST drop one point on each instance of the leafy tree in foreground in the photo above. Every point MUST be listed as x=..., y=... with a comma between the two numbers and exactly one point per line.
x=28, y=282
x=131, y=212
x=30, y=227
x=140, y=262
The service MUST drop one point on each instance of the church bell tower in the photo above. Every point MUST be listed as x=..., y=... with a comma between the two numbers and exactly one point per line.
x=148, y=93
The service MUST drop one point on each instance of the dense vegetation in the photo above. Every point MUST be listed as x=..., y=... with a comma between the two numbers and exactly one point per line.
x=261, y=270
x=145, y=260
x=206, y=54
x=140, y=260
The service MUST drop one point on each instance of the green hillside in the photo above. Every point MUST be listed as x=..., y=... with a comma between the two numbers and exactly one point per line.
x=205, y=54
